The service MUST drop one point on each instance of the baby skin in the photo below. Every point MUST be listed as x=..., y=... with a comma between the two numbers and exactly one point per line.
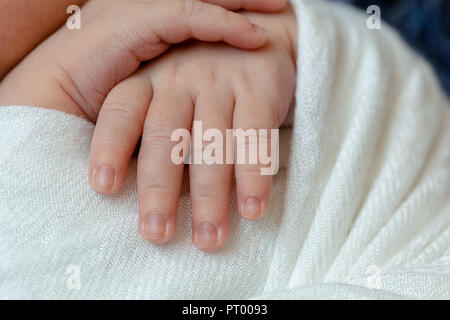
x=222, y=86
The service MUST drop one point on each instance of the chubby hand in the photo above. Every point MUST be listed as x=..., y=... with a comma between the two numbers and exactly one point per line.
x=224, y=88
x=75, y=71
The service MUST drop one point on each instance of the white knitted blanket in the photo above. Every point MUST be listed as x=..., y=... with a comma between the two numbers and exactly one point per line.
x=362, y=209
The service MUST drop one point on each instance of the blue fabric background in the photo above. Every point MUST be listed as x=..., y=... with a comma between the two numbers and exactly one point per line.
x=425, y=24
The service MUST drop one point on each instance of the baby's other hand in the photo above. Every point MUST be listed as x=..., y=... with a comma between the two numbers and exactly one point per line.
x=220, y=86
x=73, y=70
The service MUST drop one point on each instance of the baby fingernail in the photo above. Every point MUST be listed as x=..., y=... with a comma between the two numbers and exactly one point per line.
x=206, y=235
x=252, y=208
x=104, y=178
x=154, y=227
x=258, y=29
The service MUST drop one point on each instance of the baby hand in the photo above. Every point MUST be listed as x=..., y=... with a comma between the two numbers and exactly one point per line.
x=220, y=86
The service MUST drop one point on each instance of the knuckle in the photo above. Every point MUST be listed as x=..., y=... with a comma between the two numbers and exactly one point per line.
x=248, y=171
x=205, y=193
x=153, y=186
x=186, y=8
x=212, y=76
x=156, y=137
x=244, y=82
x=223, y=15
x=122, y=112
x=142, y=82
x=237, y=19
x=110, y=152
x=110, y=148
